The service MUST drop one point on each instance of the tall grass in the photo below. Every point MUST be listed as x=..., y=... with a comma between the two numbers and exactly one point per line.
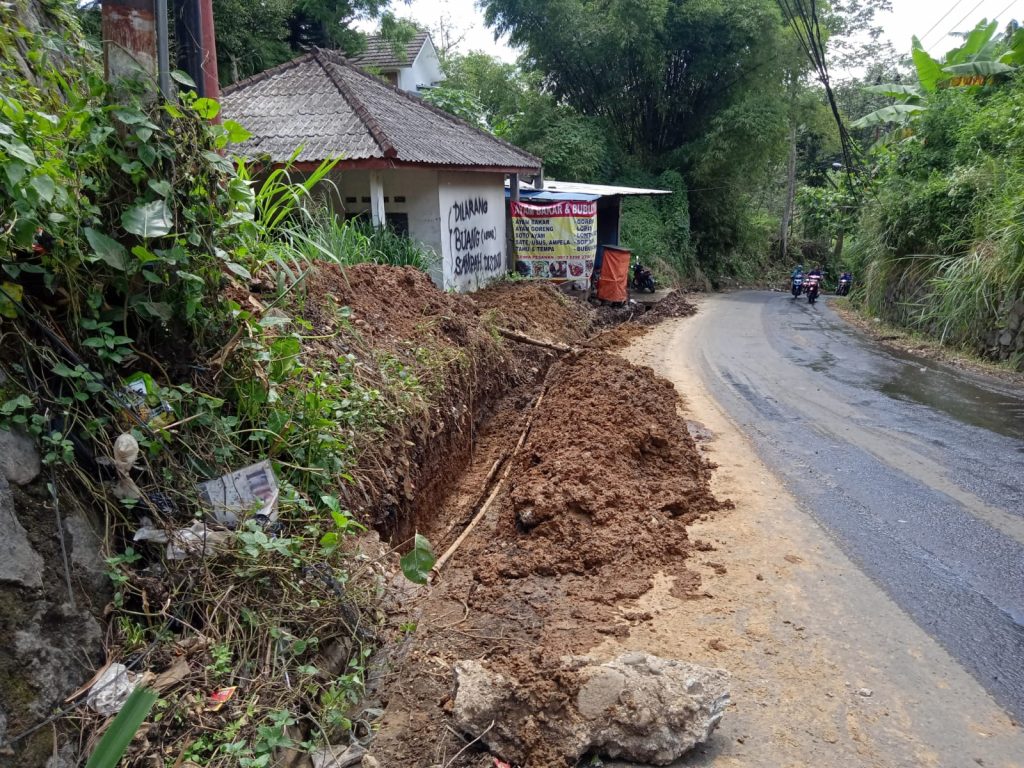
x=326, y=237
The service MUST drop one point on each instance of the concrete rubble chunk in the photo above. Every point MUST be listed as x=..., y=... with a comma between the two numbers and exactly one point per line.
x=19, y=563
x=637, y=707
x=19, y=458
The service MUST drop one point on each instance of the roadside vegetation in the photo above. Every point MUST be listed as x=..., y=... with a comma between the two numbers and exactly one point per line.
x=134, y=249
x=934, y=224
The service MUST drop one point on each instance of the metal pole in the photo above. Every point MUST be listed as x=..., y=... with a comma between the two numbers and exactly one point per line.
x=162, y=56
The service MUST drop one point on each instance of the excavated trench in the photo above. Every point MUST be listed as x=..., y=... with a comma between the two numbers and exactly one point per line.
x=568, y=481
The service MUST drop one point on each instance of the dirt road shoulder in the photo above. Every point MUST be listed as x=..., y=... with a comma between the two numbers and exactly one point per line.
x=826, y=668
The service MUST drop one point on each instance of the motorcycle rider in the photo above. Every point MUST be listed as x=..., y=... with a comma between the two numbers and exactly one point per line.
x=797, y=272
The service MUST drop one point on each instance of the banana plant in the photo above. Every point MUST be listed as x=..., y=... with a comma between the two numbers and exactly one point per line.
x=980, y=60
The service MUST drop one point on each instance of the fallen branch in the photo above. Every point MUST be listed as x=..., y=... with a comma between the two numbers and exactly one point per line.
x=522, y=337
x=483, y=491
x=500, y=484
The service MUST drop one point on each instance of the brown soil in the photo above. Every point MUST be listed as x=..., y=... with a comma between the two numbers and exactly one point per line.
x=537, y=309
x=388, y=317
x=626, y=324
x=598, y=502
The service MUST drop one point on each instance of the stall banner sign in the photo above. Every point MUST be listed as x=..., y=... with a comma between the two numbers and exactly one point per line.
x=557, y=241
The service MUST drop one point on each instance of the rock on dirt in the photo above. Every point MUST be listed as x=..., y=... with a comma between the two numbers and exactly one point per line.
x=19, y=459
x=636, y=707
x=19, y=563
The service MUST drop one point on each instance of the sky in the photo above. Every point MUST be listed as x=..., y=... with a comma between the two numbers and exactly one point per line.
x=931, y=20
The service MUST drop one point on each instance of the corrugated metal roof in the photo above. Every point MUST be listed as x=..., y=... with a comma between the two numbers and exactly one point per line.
x=545, y=196
x=601, y=190
x=381, y=53
x=333, y=109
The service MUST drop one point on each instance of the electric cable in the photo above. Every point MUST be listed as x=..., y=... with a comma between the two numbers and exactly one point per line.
x=955, y=26
x=941, y=19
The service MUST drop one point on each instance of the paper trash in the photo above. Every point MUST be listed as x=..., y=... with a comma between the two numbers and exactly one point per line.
x=253, y=489
x=111, y=691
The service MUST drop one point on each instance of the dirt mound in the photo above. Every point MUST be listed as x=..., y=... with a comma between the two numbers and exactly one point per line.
x=390, y=307
x=597, y=504
x=623, y=324
x=674, y=305
x=537, y=309
x=607, y=481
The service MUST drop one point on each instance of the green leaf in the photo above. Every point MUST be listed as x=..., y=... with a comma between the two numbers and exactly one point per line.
x=236, y=132
x=183, y=78
x=207, y=108
x=238, y=269
x=978, y=69
x=894, y=113
x=20, y=150
x=161, y=186
x=910, y=93
x=44, y=186
x=158, y=309
x=122, y=730
x=143, y=254
x=416, y=563
x=929, y=71
x=148, y=220
x=107, y=249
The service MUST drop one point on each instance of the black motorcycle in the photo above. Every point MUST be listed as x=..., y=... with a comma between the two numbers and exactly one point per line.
x=843, y=288
x=643, y=278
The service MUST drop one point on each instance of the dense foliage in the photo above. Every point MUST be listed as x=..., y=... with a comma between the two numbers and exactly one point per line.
x=941, y=246
x=133, y=248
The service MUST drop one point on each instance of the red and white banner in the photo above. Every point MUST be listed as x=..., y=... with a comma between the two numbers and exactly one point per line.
x=556, y=241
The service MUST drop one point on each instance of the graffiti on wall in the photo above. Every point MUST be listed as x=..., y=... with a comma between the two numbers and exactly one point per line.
x=475, y=239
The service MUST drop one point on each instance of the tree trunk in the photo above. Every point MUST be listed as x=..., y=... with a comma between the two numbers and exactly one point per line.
x=787, y=211
x=837, y=253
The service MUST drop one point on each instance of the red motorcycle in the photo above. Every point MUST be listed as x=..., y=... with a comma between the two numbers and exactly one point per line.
x=812, y=287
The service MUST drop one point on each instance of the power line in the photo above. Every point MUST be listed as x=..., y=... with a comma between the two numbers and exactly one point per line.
x=955, y=26
x=1012, y=3
x=941, y=19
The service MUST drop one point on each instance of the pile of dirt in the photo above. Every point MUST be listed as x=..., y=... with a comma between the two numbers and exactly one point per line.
x=597, y=504
x=537, y=309
x=624, y=324
x=676, y=304
x=395, y=322
x=607, y=481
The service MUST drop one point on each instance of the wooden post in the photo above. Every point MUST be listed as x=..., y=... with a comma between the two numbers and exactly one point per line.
x=377, y=199
x=130, y=40
x=513, y=186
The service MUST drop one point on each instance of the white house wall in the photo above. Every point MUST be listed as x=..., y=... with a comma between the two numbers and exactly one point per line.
x=419, y=188
x=425, y=70
x=472, y=228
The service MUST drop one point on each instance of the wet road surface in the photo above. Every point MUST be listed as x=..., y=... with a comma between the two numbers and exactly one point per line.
x=915, y=469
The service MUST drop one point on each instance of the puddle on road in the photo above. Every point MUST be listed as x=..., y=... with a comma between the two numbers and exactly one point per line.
x=959, y=397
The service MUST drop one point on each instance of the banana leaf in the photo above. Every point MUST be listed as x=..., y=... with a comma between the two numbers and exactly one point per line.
x=929, y=71
x=911, y=94
x=894, y=113
x=978, y=69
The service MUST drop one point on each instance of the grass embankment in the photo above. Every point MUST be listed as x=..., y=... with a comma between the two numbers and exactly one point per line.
x=940, y=246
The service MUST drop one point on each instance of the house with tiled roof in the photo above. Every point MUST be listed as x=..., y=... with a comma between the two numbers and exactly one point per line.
x=412, y=67
x=403, y=163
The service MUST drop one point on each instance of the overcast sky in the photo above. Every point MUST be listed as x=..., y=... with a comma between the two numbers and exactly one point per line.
x=929, y=19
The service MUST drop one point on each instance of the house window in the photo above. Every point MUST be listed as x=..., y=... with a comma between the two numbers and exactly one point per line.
x=398, y=223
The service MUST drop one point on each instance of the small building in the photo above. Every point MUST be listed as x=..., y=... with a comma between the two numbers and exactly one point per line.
x=608, y=197
x=404, y=163
x=413, y=67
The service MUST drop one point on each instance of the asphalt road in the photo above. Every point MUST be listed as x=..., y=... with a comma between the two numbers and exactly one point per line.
x=916, y=469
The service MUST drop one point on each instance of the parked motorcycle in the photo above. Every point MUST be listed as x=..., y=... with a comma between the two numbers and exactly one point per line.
x=643, y=278
x=798, y=285
x=812, y=286
x=845, y=280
